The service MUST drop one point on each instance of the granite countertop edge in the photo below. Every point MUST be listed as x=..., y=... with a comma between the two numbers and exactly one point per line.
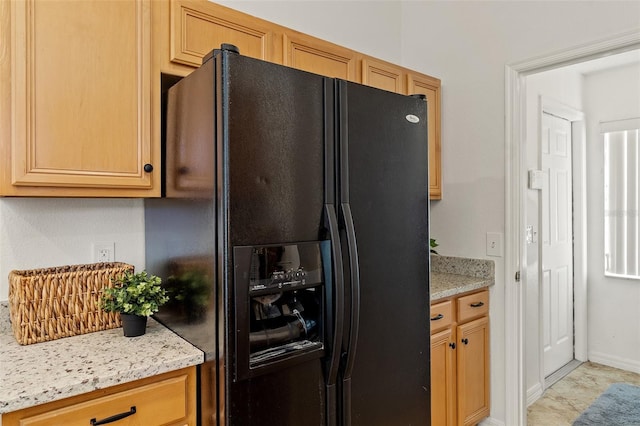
x=452, y=276
x=49, y=371
x=444, y=285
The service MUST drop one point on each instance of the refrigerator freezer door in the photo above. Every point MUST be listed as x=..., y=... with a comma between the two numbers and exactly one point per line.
x=384, y=190
x=271, y=147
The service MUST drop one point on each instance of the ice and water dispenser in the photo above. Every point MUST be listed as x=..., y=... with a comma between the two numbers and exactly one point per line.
x=280, y=292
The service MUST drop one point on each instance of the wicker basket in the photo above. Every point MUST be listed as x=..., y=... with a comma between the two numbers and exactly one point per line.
x=47, y=304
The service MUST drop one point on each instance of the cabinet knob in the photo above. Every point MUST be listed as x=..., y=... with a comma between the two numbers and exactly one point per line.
x=465, y=341
x=148, y=168
x=452, y=345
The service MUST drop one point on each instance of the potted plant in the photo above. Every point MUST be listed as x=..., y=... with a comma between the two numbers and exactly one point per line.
x=135, y=297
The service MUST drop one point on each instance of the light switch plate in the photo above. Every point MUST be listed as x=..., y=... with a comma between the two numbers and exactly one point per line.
x=536, y=179
x=494, y=244
x=532, y=235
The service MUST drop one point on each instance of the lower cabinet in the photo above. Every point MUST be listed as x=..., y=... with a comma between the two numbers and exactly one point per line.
x=460, y=360
x=443, y=378
x=167, y=399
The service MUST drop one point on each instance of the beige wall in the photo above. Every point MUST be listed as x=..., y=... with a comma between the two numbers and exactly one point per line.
x=46, y=232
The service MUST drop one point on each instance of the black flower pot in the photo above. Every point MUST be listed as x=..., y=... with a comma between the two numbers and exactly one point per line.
x=133, y=325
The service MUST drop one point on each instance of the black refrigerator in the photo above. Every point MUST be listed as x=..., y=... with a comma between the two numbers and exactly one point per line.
x=293, y=238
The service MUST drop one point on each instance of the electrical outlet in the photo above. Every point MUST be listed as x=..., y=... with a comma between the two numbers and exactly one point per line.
x=494, y=244
x=104, y=252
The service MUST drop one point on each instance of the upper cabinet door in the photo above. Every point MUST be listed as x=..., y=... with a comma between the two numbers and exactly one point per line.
x=383, y=75
x=198, y=27
x=430, y=87
x=320, y=57
x=80, y=99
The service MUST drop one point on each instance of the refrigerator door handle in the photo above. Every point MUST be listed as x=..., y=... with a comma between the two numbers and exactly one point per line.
x=355, y=312
x=337, y=302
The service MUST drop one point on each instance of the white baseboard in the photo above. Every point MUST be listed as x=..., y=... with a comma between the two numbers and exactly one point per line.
x=614, y=361
x=534, y=393
x=490, y=421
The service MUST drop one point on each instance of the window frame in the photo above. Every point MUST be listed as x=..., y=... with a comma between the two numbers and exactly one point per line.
x=617, y=210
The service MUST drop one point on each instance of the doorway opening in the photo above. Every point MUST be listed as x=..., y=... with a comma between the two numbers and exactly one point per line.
x=516, y=262
x=554, y=216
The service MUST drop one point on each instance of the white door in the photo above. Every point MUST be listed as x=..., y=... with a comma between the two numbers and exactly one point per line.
x=557, y=244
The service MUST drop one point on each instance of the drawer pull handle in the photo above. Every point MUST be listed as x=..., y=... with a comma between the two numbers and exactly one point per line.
x=113, y=418
x=437, y=317
x=477, y=304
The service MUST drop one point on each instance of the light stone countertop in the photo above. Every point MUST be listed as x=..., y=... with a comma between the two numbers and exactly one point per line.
x=44, y=372
x=451, y=276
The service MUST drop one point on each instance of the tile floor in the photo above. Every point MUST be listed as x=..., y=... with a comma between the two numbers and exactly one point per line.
x=563, y=402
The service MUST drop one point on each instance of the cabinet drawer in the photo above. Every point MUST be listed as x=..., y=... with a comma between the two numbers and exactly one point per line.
x=161, y=403
x=441, y=316
x=473, y=306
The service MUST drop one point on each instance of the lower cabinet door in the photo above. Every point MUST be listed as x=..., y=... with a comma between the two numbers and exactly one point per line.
x=443, y=400
x=169, y=401
x=473, y=371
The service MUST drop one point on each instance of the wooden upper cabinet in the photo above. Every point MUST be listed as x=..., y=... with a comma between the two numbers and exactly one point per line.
x=82, y=113
x=430, y=87
x=320, y=57
x=197, y=27
x=80, y=110
x=383, y=75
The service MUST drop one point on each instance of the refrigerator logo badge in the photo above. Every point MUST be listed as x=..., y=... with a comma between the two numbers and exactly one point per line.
x=412, y=118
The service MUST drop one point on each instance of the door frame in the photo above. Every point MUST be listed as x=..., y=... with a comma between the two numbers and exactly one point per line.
x=515, y=187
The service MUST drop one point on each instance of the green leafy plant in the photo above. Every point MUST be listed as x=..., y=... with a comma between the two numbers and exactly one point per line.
x=136, y=294
x=433, y=245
